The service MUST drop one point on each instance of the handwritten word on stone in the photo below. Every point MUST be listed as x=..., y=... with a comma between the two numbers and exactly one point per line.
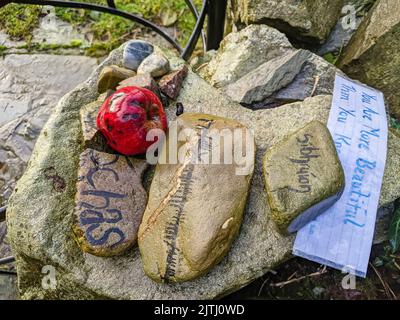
x=303, y=176
x=342, y=237
x=110, y=202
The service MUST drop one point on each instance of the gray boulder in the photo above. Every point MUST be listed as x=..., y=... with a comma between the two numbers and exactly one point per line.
x=241, y=52
x=372, y=55
x=40, y=220
x=303, y=20
x=271, y=76
x=237, y=67
x=343, y=30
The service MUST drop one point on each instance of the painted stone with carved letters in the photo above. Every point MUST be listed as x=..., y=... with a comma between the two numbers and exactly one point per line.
x=195, y=207
x=303, y=177
x=110, y=202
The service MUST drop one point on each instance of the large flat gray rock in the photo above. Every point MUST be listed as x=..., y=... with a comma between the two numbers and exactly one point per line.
x=303, y=20
x=40, y=219
x=242, y=52
x=237, y=69
x=268, y=78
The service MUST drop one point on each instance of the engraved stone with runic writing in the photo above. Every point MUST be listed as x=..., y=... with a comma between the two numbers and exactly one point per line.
x=303, y=177
x=110, y=202
x=195, y=209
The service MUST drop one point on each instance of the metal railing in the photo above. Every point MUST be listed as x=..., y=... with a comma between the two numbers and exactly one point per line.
x=214, y=9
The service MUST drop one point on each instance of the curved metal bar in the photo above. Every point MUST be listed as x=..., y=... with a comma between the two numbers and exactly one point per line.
x=3, y=213
x=187, y=52
x=95, y=7
x=215, y=23
x=194, y=11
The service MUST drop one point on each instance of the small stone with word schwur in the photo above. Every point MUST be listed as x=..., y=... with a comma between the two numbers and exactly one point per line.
x=110, y=202
x=303, y=177
x=196, y=204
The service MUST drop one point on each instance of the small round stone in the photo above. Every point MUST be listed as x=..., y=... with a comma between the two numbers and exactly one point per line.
x=156, y=65
x=135, y=52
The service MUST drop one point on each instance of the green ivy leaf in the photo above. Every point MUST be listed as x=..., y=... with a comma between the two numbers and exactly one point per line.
x=394, y=232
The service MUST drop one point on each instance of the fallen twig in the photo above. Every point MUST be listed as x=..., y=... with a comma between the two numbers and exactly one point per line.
x=265, y=281
x=389, y=292
x=396, y=265
x=201, y=66
x=284, y=283
x=262, y=287
x=315, y=86
x=292, y=275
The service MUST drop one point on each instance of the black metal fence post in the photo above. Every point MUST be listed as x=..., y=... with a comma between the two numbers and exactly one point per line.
x=216, y=23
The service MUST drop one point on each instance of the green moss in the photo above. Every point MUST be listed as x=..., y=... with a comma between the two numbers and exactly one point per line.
x=76, y=43
x=50, y=46
x=331, y=57
x=19, y=20
x=2, y=51
x=109, y=31
x=116, y=30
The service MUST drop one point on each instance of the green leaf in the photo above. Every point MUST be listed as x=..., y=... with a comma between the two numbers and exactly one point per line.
x=394, y=232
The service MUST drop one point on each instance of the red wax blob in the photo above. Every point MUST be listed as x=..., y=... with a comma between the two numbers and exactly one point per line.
x=126, y=116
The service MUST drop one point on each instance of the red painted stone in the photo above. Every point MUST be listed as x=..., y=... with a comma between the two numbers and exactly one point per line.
x=126, y=116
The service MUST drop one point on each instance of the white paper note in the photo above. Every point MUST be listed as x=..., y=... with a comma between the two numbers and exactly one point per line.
x=342, y=236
